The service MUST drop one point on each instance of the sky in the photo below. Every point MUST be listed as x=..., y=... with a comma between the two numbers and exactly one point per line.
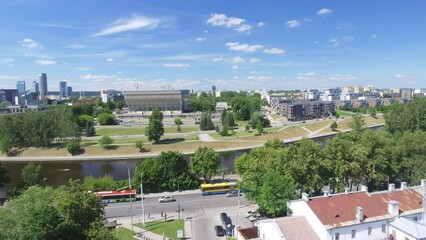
x=232, y=44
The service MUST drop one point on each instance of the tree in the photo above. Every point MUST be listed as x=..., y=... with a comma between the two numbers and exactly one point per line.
x=164, y=173
x=275, y=192
x=5, y=145
x=32, y=175
x=204, y=162
x=155, y=129
x=259, y=117
x=47, y=213
x=106, y=142
x=104, y=183
x=247, y=128
x=73, y=147
x=373, y=112
x=178, y=122
x=406, y=117
x=334, y=126
x=106, y=119
x=206, y=122
x=139, y=145
x=4, y=175
x=357, y=123
x=259, y=128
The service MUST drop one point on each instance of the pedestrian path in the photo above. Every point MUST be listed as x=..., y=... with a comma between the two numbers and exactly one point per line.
x=204, y=137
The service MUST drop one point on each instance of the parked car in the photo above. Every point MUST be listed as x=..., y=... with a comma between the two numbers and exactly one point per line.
x=220, y=232
x=255, y=217
x=165, y=199
x=232, y=194
x=223, y=217
x=251, y=213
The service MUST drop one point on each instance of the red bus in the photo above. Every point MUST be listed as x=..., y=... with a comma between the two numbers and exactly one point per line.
x=117, y=196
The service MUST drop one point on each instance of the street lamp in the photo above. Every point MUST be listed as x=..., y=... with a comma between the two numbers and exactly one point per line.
x=143, y=212
x=130, y=195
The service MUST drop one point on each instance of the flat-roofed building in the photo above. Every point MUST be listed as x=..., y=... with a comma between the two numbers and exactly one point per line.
x=168, y=100
x=305, y=110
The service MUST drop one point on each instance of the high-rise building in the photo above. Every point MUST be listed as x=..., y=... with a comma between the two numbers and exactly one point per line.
x=62, y=89
x=214, y=90
x=36, y=88
x=69, y=91
x=43, y=85
x=20, y=86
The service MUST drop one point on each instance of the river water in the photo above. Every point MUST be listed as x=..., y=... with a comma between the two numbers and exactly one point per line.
x=58, y=173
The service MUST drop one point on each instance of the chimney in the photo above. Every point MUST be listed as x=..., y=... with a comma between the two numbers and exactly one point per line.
x=391, y=187
x=326, y=193
x=346, y=190
x=364, y=188
x=393, y=208
x=359, y=215
x=404, y=185
x=305, y=197
x=423, y=182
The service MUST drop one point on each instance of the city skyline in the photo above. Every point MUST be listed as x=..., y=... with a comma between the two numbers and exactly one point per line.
x=241, y=45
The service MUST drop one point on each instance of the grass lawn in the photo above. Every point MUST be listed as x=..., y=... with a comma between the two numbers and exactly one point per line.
x=169, y=228
x=121, y=130
x=275, y=116
x=344, y=113
x=317, y=126
x=123, y=234
x=169, y=139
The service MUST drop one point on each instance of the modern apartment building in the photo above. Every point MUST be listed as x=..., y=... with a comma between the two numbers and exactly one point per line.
x=20, y=86
x=167, y=100
x=298, y=111
x=63, y=89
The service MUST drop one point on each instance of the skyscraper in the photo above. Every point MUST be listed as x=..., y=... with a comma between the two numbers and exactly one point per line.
x=20, y=86
x=69, y=91
x=36, y=88
x=43, y=85
x=62, y=89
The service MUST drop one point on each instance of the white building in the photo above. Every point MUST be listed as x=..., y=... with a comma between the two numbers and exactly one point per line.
x=329, y=94
x=360, y=215
x=311, y=94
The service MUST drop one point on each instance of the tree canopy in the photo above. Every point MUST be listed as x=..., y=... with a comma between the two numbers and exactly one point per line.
x=155, y=128
x=205, y=163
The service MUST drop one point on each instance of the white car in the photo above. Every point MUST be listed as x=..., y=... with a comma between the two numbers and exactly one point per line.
x=232, y=194
x=165, y=199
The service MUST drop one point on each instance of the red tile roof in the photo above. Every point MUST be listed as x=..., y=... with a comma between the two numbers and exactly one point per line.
x=249, y=233
x=296, y=228
x=340, y=208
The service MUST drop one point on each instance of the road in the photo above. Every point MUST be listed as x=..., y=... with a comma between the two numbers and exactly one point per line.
x=202, y=211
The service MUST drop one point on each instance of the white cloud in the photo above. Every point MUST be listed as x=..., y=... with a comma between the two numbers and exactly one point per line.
x=176, y=65
x=307, y=20
x=7, y=77
x=77, y=46
x=400, y=76
x=96, y=78
x=83, y=68
x=45, y=62
x=308, y=76
x=293, y=23
x=348, y=38
x=109, y=60
x=259, y=78
x=200, y=39
x=324, y=11
x=260, y=24
x=254, y=60
x=135, y=22
x=274, y=51
x=7, y=61
x=218, y=59
x=343, y=77
x=237, y=60
x=30, y=43
x=221, y=20
x=235, y=67
x=334, y=42
x=235, y=46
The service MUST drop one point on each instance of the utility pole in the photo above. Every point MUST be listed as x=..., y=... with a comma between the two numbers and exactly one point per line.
x=130, y=188
x=178, y=203
x=143, y=212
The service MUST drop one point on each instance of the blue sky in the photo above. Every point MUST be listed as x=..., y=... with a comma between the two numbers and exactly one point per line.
x=246, y=44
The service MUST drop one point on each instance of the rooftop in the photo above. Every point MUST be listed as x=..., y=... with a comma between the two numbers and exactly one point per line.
x=410, y=227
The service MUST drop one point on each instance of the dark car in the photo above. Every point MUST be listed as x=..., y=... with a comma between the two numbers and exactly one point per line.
x=223, y=217
x=220, y=232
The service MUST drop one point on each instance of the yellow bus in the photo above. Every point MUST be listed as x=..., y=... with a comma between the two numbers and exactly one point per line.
x=217, y=188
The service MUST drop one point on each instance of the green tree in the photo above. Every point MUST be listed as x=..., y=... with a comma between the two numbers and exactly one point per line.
x=4, y=175
x=5, y=145
x=155, y=129
x=73, y=147
x=205, y=163
x=47, y=213
x=139, y=145
x=106, y=119
x=373, y=112
x=106, y=142
x=259, y=128
x=83, y=120
x=178, y=122
x=410, y=116
x=32, y=175
x=357, y=123
x=247, y=128
x=206, y=122
x=104, y=183
x=334, y=126
x=164, y=173
x=275, y=192
x=259, y=118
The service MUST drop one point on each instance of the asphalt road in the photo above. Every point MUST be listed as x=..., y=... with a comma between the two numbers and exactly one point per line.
x=202, y=211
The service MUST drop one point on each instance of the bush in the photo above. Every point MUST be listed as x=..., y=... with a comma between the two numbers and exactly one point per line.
x=106, y=119
x=106, y=142
x=74, y=147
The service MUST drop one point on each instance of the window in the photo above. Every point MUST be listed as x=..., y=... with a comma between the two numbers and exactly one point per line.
x=370, y=229
x=337, y=236
x=353, y=233
x=383, y=228
x=415, y=218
